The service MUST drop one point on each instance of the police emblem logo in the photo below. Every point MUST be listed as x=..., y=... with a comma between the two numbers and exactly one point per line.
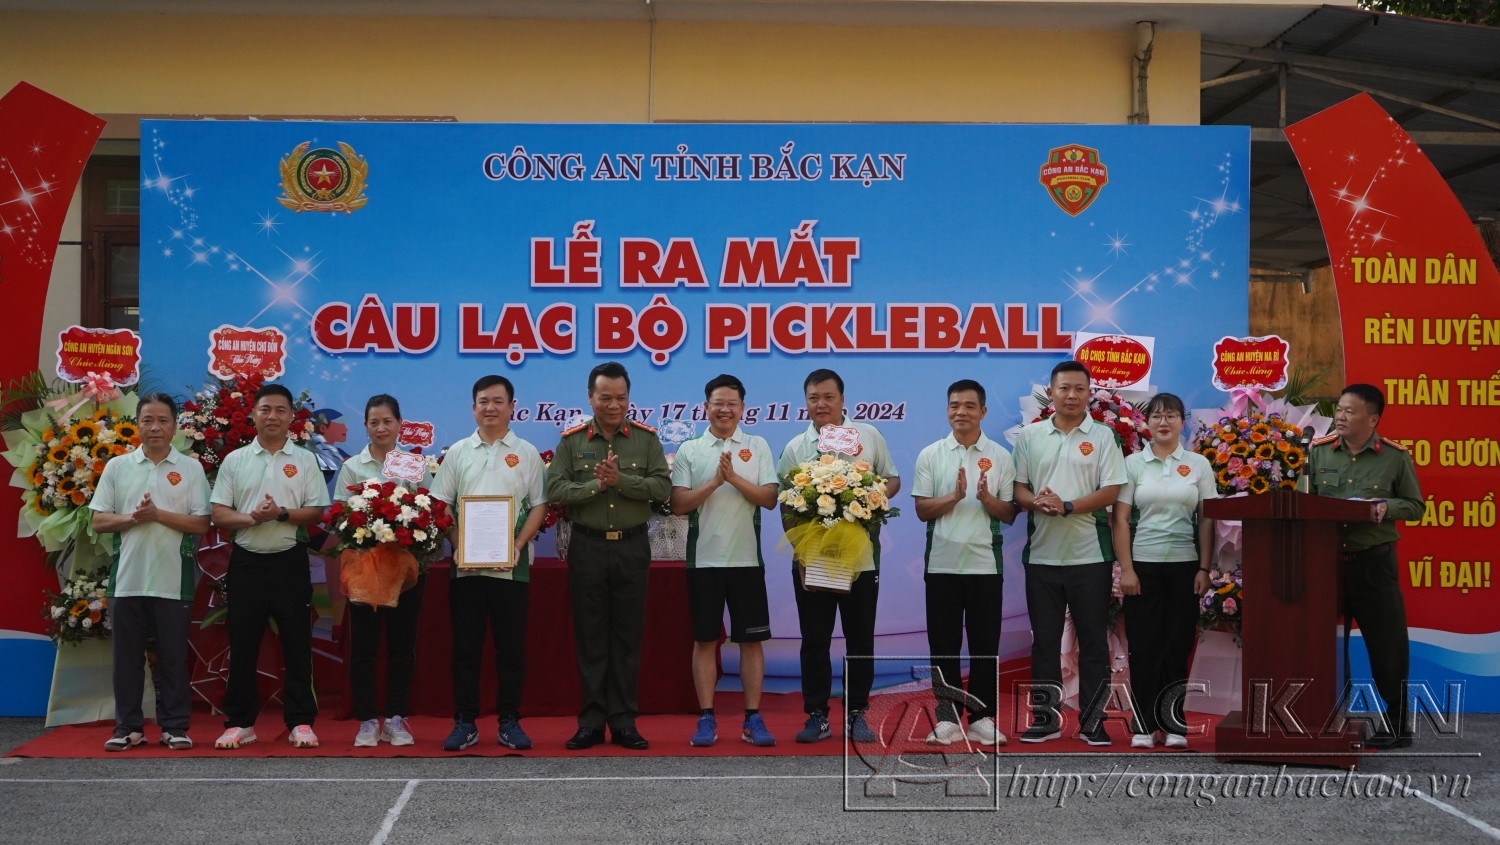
x=174, y=478
x=1184, y=470
x=289, y=470
x=323, y=179
x=1086, y=448
x=512, y=459
x=1073, y=177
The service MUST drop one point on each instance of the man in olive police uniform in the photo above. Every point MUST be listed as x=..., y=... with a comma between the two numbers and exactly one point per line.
x=608, y=471
x=1357, y=463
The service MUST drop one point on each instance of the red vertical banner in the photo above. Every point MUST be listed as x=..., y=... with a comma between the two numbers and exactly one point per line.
x=1419, y=304
x=44, y=143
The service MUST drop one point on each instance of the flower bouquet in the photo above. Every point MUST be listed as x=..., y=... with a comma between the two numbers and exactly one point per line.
x=835, y=503
x=59, y=451
x=217, y=420
x=1219, y=610
x=387, y=534
x=1111, y=409
x=80, y=611
x=1253, y=453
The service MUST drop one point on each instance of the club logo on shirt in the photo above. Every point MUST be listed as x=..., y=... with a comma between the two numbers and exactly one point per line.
x=1184, y=470
x=174, y=478
x=985, y=464
x=289, y=470
x=1086, y=448
x=512, y=459
x=745, y=455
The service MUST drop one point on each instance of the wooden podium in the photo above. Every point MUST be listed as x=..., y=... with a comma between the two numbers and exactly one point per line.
x=1289, y=629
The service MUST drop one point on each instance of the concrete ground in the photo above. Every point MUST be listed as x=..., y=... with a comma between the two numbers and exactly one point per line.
x=781, y=801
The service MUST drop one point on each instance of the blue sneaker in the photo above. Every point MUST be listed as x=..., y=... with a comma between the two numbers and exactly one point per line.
x=755, y=732
x=464, y=735
x=815, y=729
x=859, y=729
x=707, y=733
x=511, y=735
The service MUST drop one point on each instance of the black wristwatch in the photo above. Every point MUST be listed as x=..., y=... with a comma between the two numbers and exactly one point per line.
x=284, y=515
x=1067, y=508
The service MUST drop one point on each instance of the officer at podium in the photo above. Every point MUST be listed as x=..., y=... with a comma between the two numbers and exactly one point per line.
x=1357, y=463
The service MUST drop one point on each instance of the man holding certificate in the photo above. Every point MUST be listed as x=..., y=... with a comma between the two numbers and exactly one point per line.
x=608, y=471
x=493, y=479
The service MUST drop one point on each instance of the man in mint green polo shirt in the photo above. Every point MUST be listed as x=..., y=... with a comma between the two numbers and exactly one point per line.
x=721, y=480
x=154, y=501
x=267, y=493
x=816, y=611
x=1068, y=472
x=963, y=490
x=493, y=461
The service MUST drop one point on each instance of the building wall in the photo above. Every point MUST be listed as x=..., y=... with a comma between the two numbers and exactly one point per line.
x=496, y=69
x=499, y=69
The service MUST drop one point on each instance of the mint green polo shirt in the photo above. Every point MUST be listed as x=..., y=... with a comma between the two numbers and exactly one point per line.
x=966, y=540
x=510, y=466
x=725, y=530
x=363, y=467
x=151, y=559
x=290, y=475
x=1074, y=465
x=1165, y=494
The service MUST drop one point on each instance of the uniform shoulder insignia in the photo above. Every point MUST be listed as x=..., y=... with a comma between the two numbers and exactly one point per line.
x=575, y=429
x=642, y=426
x=1325, y=440
x=1393, y=444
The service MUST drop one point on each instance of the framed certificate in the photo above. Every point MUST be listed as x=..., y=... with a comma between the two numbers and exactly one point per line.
x=486, y=533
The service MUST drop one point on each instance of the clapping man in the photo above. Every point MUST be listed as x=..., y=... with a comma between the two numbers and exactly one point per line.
x=608, y=471
x=963, y=492
x=721, y=480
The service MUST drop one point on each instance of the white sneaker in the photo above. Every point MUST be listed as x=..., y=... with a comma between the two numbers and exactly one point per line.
x=1143, y=741
x=368, y=736
x=235, y=738
x=397, y=732
x=945, y=733
x=302, y=736
x=983, y=732
x=1176, y=741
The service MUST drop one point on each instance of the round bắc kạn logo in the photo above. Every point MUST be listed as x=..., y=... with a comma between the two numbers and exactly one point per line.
x=323, y=179
x=323, y=174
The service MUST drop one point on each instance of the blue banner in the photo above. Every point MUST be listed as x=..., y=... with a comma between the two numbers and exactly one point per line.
x=414, y=258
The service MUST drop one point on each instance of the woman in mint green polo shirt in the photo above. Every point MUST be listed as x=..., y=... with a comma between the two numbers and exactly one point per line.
x=1164, y=545
x=382, y=427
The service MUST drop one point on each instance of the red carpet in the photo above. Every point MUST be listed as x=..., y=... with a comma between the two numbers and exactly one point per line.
x=668, y=736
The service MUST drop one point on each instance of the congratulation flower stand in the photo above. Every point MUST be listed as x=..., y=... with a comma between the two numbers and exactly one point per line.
x=83, y=685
